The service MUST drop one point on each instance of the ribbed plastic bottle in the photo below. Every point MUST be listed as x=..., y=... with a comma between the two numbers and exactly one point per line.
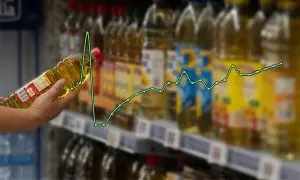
x=74, y=69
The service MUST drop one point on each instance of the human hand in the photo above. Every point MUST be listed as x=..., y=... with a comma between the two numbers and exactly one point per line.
x=48, y=105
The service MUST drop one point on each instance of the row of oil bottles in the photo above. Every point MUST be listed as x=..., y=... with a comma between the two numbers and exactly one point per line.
x=257, y=111
x=83, y=159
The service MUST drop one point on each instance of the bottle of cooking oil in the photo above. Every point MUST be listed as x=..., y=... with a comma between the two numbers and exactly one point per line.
x=216, y=118
x=186, y=43
x=204, y=34
x=135, y=42
x=233, y=51
x=97, y=39
x=107, y=75
x=253, y=86
x=69, y=69
x=123, y=75
x=157, y=29
x=86, y=27
x=172, y=72
x=280, y=43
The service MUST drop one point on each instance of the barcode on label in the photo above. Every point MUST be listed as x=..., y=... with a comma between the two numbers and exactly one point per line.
x=22, y=95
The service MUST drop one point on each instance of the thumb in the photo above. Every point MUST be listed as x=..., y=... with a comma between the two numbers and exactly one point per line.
x=56, y=89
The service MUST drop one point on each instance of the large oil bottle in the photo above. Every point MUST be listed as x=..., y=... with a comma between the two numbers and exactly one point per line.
x=107, y=75
x=186, y=42
x=281, y=42
x=134, y=38
x=69, y=69
x=171, y=73
x=204, y=34
x=157, y=29
x=215, y=92
x=253, y=86
x=123, y=74
x=233, y=48
x=86, y=27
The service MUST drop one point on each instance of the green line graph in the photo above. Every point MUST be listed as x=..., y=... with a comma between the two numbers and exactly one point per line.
x=104, y=124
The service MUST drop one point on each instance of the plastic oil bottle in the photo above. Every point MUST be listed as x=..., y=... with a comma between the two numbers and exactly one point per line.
x=123, y=74
x=87, y=25
x=135, y=42
x=232, y=52
x=157, y=29
x=204, y=34
x=186, y=43
x=97, y=39
x=69, y=69
x=253, y=86
x=280, y=42
x=216, y=118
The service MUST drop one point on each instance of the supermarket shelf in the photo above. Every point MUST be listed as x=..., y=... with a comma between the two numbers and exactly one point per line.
x=255, y=164
x=156, y=135
x=110, y=135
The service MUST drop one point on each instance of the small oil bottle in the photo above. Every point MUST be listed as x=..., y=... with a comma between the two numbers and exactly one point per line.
x=280, y=43
x=70, y=69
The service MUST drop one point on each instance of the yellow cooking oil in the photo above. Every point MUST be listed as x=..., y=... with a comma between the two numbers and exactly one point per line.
x=186, y=47
x=253, y=85
x=172, y=72
x=280, y=43
x=69, y=69
x=133, y=38
x=204, y=57
x=157, y=30
x=215, y=91
x=123, y=75
x=233, y=48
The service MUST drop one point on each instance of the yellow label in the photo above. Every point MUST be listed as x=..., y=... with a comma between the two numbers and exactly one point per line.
x=137, y=82
x=279, y=105
x=252, y=88
x=228, y=96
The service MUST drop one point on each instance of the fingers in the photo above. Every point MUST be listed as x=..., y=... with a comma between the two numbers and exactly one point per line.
x=63, y=102
x=56, y=89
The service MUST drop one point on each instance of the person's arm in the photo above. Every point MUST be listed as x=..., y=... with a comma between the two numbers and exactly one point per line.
x=43, y=109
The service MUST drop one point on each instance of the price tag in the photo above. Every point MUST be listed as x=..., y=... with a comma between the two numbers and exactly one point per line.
x=143, y=129
x=269, y=168
x=218, y=153
x=113, y=138
x=58, y=121
x=79, y=125
x=172, y=138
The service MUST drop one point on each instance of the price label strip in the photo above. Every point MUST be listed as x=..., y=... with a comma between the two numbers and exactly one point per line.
x=172, y=138
x=113, y=138
x=143, y=129
x=269, y=168
x=79, y=125
x=218, y=153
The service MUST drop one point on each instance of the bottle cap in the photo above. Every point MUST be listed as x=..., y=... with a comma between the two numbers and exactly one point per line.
x=153, y=161
x=97, y=54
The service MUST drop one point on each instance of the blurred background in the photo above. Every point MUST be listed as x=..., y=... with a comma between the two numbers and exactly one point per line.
x=245, y=126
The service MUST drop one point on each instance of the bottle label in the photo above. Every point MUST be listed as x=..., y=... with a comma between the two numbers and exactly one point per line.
x=153, y=68
x=186, y=91
x=33, y=89
x=252, y=95
x=63, y=44
x=137, y=84
x=74, y=43
x=204, y=72
x=228, y=96
x=107, y=77
x=123, y=80
x=172, y=70
x=280, y=93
